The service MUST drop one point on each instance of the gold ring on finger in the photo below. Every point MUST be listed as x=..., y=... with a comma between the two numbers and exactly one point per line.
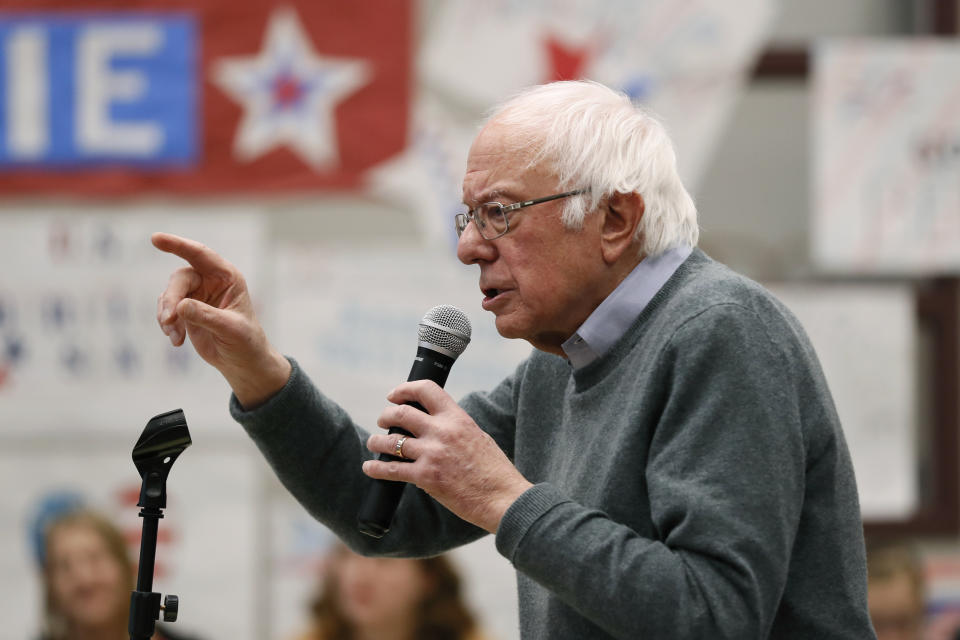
x=398, y=447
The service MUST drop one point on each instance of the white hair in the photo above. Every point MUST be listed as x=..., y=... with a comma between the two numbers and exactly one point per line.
x=596, y=138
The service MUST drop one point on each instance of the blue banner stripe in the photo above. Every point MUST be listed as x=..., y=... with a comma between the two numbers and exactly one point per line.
x=98, y=88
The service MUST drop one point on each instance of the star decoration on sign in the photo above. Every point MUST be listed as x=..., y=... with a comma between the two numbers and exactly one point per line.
x=289, y=94
x=567, y=62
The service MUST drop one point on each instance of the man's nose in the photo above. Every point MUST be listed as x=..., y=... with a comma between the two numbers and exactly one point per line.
x=473, y=247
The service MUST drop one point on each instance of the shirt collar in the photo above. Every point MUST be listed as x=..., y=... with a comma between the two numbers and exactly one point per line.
x=611, y=319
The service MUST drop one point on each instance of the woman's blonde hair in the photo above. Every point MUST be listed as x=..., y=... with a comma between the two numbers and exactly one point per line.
x=56, y=626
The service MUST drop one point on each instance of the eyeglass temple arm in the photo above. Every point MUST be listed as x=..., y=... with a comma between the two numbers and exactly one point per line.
x=556, y=196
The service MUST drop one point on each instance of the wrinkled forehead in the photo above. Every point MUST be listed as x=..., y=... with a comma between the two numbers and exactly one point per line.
x=503, y=163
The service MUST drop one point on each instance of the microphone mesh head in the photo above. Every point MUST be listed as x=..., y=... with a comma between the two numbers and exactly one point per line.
x=447, y=328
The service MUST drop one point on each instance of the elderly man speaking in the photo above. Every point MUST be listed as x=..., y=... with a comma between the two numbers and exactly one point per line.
x=667, y=463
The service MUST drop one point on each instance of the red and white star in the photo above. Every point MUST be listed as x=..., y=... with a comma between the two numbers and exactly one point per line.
x=289, y=94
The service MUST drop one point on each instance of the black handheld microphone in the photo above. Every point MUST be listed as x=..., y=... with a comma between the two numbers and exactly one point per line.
x=444, y=334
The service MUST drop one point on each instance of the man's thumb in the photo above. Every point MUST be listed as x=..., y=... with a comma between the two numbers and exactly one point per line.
x=200, y=314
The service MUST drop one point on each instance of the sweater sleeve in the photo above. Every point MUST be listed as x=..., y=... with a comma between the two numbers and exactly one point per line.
x=725, y=480
x=317, y=451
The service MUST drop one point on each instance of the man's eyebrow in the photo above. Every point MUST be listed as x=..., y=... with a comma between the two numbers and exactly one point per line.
x=493, y=195
x=484, y=196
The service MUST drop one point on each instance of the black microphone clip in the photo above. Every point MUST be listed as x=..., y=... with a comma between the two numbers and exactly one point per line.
x=163, y=440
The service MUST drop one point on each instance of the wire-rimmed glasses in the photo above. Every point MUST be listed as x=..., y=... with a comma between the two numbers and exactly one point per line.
x=491, y=217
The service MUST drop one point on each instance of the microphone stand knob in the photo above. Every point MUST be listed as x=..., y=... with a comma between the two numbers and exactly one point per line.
x=170, y=606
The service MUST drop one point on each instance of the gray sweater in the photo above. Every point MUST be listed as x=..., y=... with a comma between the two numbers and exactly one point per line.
x=693, y=482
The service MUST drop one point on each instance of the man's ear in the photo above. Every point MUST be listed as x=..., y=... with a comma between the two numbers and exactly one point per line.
x=621, y=214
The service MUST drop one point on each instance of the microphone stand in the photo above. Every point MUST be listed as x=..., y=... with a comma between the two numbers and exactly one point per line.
x=162, y=441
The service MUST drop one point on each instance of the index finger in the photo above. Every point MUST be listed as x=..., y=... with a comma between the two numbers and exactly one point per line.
x=201, y=257
x=425, y=392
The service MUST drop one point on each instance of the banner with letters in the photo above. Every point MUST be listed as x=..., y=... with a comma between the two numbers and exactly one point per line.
x=117, y=97
x=189, y=97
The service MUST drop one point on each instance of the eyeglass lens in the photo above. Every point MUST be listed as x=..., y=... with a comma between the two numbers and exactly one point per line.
x=493, y=217
x=489, y=217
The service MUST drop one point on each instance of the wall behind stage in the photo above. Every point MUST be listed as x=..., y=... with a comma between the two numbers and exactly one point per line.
x=340, y=273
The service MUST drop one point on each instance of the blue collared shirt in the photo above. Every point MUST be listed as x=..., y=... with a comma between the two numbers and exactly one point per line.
x=610, y=321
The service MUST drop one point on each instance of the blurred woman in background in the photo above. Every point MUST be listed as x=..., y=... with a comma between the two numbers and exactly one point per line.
x=896, y=591
x=390, y=599
x=87, y=579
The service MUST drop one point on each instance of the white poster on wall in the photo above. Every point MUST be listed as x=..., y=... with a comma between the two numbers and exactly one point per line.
x=886, y=156
x=865, y=337
x=80, y=348
x=350, y=318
